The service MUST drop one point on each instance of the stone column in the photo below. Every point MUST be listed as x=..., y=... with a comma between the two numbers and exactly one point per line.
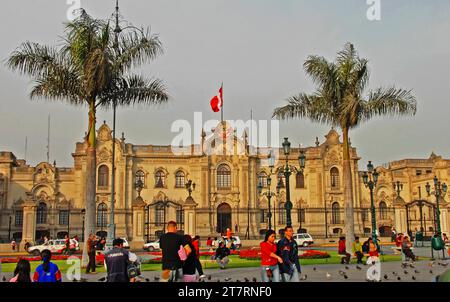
x=400, y=222
x=189, y=216
x=138, y=223
x=445, y=221
x=29, y=223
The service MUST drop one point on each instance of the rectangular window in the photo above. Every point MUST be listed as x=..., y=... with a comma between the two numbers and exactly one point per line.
x=19, y=218
x=262, y=217
x=301, y=215
x=429, y=172
x=418, y=172
x=63, y=217
x=180, y=216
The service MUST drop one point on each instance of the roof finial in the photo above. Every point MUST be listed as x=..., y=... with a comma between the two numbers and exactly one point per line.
x=317, y=141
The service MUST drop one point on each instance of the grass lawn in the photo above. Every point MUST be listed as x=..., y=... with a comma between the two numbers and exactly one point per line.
x=235, y=262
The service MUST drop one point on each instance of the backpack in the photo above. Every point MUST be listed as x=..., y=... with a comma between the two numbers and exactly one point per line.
x=365, y=247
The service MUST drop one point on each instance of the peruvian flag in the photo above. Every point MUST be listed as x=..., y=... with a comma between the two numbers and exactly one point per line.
x=217, y=101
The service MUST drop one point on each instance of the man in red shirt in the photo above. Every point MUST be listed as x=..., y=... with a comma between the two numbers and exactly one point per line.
x=198, y=264
x=342, y=251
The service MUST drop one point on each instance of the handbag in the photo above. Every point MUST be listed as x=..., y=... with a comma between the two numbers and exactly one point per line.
x=182, y=253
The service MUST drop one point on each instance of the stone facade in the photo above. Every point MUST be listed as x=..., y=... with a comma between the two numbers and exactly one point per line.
x=47, y=199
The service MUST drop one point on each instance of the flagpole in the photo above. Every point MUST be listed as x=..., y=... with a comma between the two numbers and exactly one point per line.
x=221, y=109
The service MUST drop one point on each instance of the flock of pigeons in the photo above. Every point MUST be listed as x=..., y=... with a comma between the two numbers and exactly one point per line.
x=342, y=273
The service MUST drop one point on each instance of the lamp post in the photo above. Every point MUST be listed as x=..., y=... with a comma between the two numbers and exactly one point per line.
x=439, y=190
x=9, y=228
x=370, y=179
x=83, y=212
x=398, y=187
x=269, y=193
x=68, y=219
x=287, y=173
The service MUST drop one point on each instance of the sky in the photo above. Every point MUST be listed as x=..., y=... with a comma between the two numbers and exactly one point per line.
x=256, y=48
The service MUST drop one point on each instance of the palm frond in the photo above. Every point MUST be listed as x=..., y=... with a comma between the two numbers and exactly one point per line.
x=389, y=102
x=58, y=88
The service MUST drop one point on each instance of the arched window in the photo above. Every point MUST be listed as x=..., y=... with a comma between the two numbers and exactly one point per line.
x=383, y=210
x=300, y=180
x=41, y=214
x=179, y=179
x=281, y=179
x=103, y=176
x=334, y=174
x=102, y=216
x=159, y=214
x=160, y=179
x=282, y=213
x=223, y=177
x=139, y=176
x=335, y=213
x=262, y=179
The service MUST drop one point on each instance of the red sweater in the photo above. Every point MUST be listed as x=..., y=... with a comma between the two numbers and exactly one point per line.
x=266, y=249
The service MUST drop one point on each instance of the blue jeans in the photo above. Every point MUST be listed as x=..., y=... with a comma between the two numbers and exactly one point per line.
x=275, y=273
x=295, y=276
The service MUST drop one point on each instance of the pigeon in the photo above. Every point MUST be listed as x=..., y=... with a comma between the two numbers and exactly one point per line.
x=314, y=268
x=4, y=279
x=237, y=280
x=85, y=280
x=416, y=271
x=431, y=264
x=75, y=280
x=156, y=278
x=404, y=265
x=386, y=277
x=412, y=266
x=346, y=267
x=414, y=278
x=147, y=279
x=209, y=277
x=102, y=279
x=431, y=271
x=254, y=279
x=405, y=272
x=345, y=277
x=328, y=276
x=227, y=279
x=398, y=278
x=246, y=279
x=394, y=273
x=341, y=273
x=218, y=280
x=304, y=277
x=443, y=264
x=358, y=267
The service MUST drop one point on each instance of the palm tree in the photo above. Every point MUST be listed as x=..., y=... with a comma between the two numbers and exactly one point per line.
x=340, y=101
x=91, y=68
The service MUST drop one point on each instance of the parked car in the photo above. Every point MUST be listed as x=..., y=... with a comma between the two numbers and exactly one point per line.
x=56, y=246
x=126, y=245
x=152, y=246
x=236, y=241
x=303, y=239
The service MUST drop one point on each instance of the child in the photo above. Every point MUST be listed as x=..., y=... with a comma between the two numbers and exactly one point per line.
x=47, y=271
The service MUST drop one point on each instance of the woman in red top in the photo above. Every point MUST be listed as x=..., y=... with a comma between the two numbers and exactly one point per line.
x=269, y=258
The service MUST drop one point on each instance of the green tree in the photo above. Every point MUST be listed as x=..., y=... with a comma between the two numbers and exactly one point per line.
x=92, y=68
x=340, y=101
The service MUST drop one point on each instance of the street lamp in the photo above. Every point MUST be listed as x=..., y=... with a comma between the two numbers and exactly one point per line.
x=439, y=190
x=287, y=173
x=370, y=179
x=269, y=193
x=9, y=228
x=190, y=187
x=83, y=212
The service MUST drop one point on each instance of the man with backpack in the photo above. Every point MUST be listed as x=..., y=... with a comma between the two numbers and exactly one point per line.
x=175, y=249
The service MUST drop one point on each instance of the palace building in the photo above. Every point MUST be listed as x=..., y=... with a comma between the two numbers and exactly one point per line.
x=49, y=200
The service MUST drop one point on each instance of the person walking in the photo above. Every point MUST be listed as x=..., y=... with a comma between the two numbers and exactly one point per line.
x=406, y=249
x=175, y=249
x=269, y=259
x=198, y=264
x=222, y=254
x=116, y=262
x=22, y=272
x=357, y=250
x=190, y=264
x=13, y=245
x=342, y=251
x=90, y=269
x=287, y=250
x=47, y=271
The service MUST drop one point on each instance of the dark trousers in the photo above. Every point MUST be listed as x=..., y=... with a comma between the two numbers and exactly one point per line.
x=198, y=266
x=409, y=254
x=359, y=256
x=91, y=265
x=346, y=258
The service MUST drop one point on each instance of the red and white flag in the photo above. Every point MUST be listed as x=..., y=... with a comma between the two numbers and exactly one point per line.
x=217, y=101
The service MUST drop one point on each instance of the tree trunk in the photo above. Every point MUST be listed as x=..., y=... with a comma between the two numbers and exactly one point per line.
x=348, y=194
x=91, y=169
